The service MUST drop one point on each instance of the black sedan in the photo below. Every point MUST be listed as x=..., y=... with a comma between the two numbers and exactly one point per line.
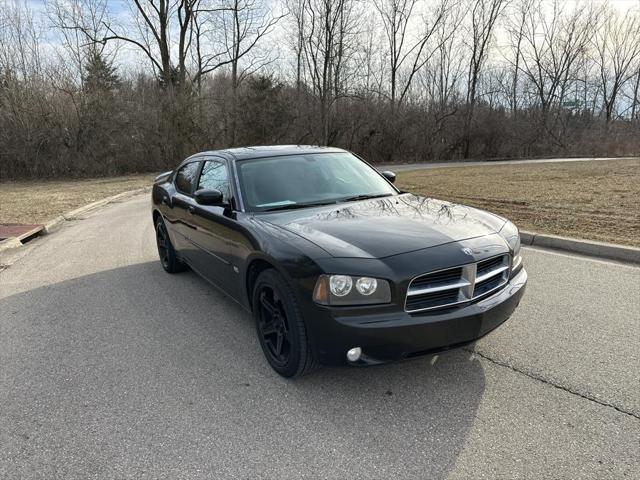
x=334, y=262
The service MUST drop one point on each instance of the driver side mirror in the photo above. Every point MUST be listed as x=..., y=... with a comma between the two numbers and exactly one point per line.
x=389, y=175
x=210, y=197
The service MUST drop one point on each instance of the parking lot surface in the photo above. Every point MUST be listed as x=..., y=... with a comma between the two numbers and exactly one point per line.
x=111, y=368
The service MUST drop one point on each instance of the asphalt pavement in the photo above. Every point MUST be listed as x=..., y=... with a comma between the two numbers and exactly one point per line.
x=111, y=368
x=400, y=167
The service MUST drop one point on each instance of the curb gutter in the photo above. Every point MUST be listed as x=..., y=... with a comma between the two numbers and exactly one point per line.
x=611, y=251
x=57, y=222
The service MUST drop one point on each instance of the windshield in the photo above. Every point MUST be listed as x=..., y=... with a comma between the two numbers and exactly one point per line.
x=297, y=181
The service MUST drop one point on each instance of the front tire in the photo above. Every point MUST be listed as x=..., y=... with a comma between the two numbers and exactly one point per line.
x=280, y=326
x=168, y=257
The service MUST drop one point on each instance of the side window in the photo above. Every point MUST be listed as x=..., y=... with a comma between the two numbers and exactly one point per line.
x=214, y=176
x=186, y=177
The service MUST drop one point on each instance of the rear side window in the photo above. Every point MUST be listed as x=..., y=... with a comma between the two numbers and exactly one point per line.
x=214, y=176
x=186, y=176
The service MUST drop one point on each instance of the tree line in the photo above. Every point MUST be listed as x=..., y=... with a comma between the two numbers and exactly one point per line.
x=91, y=87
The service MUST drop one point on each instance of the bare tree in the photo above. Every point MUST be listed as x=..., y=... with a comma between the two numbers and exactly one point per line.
x=89, y=16
x=238, y=28
x=327, y=32
x=443, y=74
x=515, y=29
x=407, y=51
x=635, y=96
x=154, y=22
x=370, y=65
x=232, y=30
x=84, y=91
x=617, y=43
x=484, y=16
x=21, y=40
x=296, y=38
x=554, y=42
x=440, y=82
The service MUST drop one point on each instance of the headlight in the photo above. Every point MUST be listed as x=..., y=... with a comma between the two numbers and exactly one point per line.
x=340, y=285
x=366, y=285
x=337, y=290
x=510, y=233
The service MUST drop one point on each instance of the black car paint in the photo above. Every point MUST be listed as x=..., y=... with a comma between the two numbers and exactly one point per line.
x=422, y=223
x=395, y=238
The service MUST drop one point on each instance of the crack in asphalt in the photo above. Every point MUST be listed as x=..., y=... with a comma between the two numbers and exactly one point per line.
x=541, y=379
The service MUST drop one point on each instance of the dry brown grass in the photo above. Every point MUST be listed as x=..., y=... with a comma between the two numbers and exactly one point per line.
x=592, y=200
x=40, y=201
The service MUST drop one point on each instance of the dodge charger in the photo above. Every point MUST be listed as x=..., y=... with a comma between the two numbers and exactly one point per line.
x=336, y=264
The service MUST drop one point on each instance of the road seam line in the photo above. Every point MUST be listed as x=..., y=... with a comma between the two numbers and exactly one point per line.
x=547, y=382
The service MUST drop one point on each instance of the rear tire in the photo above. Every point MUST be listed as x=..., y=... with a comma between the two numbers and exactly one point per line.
x=168, y=257
x=280, y=326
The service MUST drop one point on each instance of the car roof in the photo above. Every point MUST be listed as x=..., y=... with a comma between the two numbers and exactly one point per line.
x=244, y=153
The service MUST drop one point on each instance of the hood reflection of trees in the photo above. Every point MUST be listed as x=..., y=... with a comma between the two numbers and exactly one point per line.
x=409, y=206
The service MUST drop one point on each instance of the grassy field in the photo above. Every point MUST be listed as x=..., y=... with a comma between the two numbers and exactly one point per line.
x=40, y=201
x=593, y=200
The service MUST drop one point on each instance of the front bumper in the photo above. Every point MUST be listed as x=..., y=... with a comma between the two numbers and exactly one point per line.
x=399, y=335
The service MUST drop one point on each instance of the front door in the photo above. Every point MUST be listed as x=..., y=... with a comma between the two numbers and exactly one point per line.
x=214, y=228
x=180, y=214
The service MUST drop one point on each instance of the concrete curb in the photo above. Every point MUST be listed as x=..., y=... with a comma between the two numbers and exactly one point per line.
x=11, y=242
x=591, y=248
x=53, y=225
x=526, y=238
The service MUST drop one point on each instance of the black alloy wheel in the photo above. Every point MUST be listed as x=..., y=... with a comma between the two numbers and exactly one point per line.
x=162, y=239
x=274, y=327
x=280, y=326
x=168, y=257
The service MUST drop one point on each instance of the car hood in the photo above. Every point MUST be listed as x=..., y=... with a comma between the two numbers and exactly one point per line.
x=387, y=226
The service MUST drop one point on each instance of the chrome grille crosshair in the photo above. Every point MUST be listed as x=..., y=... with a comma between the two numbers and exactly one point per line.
x=457, y=285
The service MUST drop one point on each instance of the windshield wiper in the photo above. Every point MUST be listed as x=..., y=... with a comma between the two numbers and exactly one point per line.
x=365, y=196
x=293, y=206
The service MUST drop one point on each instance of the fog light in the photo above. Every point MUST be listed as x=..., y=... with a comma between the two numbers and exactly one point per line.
x=354, y=354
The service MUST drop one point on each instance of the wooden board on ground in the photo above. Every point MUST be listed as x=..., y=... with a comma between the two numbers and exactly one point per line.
x=18, y=230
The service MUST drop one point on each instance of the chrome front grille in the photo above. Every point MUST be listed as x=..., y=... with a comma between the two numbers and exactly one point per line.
x=457, y=285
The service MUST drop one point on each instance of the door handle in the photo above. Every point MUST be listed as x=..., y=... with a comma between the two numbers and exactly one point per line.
x=192, y=209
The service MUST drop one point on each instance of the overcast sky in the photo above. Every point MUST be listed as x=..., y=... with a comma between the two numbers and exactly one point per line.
x=130, y=58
